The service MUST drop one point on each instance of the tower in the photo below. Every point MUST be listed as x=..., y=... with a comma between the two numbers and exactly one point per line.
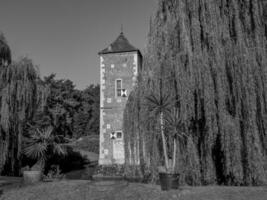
x=120, y=63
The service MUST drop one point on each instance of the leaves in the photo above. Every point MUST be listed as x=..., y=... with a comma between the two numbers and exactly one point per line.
x=159, y=103
x=217, y=74
x=43, y=143
x=27, y=99
x=72, y=112
x=175, y=125
x=20, y=97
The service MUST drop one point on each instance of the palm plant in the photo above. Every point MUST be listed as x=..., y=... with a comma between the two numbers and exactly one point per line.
x=159, y=106
x=163, y=106
x=41, y=144
x=175, y=126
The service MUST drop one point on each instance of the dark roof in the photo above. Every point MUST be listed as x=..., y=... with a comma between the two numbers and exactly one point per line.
x=121, y=44
x=5, y=52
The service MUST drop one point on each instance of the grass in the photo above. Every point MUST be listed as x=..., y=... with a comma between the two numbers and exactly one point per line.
x=79, y=190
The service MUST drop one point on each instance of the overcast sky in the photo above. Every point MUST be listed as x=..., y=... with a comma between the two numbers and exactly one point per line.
x=64, y=36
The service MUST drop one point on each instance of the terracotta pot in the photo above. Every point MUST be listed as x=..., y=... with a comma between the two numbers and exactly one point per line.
x=168, y=181
x=31, y=177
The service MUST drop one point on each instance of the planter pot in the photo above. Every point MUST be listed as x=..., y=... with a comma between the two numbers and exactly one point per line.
x=31, y=177
x=175, y=181
x=168, y=181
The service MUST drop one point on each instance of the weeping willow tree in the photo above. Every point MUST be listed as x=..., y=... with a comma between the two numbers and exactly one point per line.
x=21, y=94
x=212, y=56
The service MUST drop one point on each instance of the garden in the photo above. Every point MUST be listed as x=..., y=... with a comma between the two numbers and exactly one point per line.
x=48, y=128
x=195, y=125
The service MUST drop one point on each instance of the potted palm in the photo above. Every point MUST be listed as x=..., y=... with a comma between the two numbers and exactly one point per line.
x=40, y=145
x=163, y=107
x=175, y=128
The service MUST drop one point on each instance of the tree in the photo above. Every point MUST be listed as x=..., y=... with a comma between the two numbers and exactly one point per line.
x=90, y=106
x=21, y=97
x=218, y=72
x=62, y=103
x=73, y=113
x=176, y=130
x=160, y=105
x=41, y=144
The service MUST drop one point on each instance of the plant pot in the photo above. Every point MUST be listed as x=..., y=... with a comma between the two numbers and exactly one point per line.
x=31, y=177
x=168, y=181
x=165, y=181
x=175, y=181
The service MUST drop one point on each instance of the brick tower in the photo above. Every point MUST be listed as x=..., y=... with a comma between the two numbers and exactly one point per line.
x=119, y=66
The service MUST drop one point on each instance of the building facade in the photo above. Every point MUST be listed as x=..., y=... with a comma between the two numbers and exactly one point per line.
x=120, y=63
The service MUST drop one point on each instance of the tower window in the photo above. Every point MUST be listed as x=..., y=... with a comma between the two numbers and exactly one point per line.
x=116, y=135
x=118, y=86
x=119, y=135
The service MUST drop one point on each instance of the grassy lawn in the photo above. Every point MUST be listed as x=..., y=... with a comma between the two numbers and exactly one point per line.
x=108, y=190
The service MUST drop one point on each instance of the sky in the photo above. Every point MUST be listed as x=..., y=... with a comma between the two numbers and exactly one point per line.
x=65, y=36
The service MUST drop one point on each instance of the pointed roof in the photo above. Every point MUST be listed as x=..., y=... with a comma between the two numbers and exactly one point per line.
x=5, y=52
x=121, y=44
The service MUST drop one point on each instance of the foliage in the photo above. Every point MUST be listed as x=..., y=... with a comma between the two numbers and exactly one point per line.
x=72, y=113
x=27, y=99
x=21, y=95
x=61, y=105
x=163, y=107
x=41, y=144
x=212, y=58
x=159, y=106
x=54, y=173
x=86, y=118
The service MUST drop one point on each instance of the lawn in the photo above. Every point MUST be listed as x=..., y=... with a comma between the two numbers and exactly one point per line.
x=108, y=190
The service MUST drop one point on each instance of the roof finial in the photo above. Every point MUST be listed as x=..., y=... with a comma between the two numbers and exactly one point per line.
x=121, y=28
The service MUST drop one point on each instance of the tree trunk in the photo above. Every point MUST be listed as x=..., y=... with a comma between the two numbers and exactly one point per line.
x=164, y=141
x=174, y=154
